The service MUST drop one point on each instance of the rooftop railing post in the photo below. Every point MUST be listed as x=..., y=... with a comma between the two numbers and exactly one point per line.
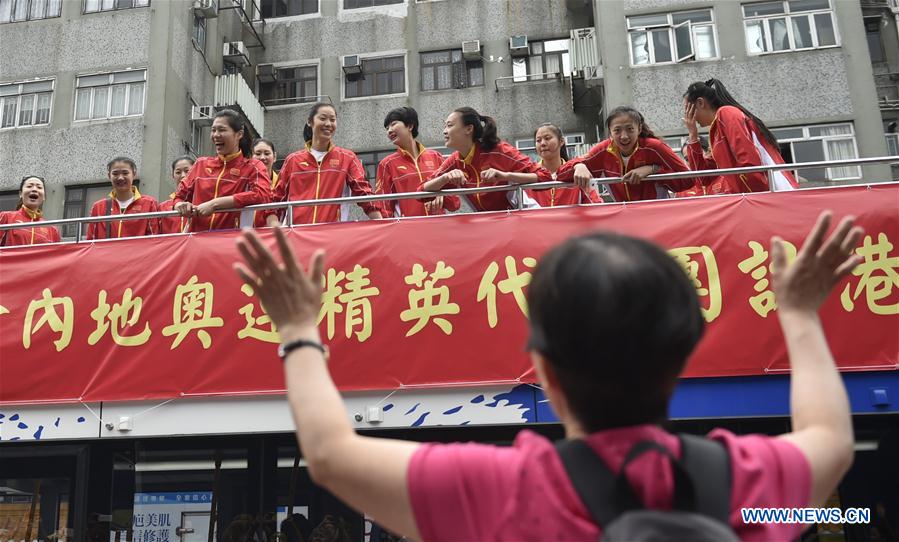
x=290, y=215
x=520, y=193
x=771, y=186
x=78, y=232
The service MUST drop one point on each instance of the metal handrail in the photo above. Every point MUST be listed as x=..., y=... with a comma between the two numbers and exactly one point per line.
x=461, y=192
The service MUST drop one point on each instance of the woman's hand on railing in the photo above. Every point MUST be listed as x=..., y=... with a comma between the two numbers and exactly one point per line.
x=636, y=175
x=434, y=206
x=582, y=176
x=205, y=209
x=185, y=208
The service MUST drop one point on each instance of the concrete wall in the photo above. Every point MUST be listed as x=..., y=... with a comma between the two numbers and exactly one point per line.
x=784, y=89
x=421, y=27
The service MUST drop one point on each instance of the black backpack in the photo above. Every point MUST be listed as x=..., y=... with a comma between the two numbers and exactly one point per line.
x=700, y=504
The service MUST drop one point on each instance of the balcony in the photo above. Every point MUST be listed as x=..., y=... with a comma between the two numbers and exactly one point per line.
x=232, y=92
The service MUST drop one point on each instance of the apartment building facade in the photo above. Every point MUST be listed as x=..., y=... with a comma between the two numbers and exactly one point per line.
x=85, y=80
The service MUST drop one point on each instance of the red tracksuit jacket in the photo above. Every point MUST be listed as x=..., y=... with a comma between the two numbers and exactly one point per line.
x=604, y=160
x=171, y=224
x=339, y=174
x=26, y=236
x=259, y=217
x=731, y=138
x=124, y=228
x=400, y=172
x=246, y=179
x=555, y=197
x=503, y=157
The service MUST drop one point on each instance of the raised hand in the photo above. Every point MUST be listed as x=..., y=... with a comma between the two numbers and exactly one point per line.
x=290, y=295
x=803, y=285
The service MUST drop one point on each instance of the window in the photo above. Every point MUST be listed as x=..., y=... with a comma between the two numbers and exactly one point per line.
x=356, y=4
x=875, y=44
x=788, y=26
x=200, y=33
x=892, y=144
x=13, y=11
x=546, y=60
x=441, y=70
x=666, y=38
x=370, y=161
x=288, y=8
x=93, y=6
x=9, y=200
x=110, y=95
x=819, y=143
x=574, y=143
x=79, y=200
x=293, y=84
x=25, y=104
x=380, y=76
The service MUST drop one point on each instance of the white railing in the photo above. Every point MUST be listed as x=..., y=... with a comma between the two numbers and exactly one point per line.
x=519, y=188
x=231, y=90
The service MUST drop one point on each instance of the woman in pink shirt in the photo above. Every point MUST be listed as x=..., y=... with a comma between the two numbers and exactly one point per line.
x=610, y=284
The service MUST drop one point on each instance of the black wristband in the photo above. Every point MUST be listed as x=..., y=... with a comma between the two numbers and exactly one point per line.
x=286, y=348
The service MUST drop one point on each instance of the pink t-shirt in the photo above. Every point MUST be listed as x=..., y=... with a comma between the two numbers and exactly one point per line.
x=482, y=492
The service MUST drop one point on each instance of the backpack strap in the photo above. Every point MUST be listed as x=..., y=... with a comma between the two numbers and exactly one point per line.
x=702, y=478
x=707, y=462
x=109, y=207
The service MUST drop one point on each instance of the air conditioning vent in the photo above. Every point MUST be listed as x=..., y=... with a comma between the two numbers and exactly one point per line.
x=208, y=9
x=518, y=46
x=266, y=73
x=235, y=52
x=201, y=115
x=352, y=67
x=471, y=50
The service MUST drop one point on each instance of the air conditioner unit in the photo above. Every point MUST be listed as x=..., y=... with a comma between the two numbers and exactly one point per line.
x=518, y=46
x=471, y=50
x=208, y=9
x=235, y=52
x=201, y=115
x=266, y=73
x=352, y=67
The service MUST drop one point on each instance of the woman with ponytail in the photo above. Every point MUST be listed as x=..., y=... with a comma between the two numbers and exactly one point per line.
x=632, y=152
x=550, y=144
x=229, y=180
x=738, y=139
x=482, y=159
x=323, y=170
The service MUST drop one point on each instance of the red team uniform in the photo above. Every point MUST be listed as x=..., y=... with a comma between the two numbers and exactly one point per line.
x=555, y=197
x=604, y=160
x=245, y=179
x=339, y=174
x=400, y=172
x=123, y=228
x=503, y=157
x=171, y=224
x=737, y=142
x=26, y=236
x=259, y=217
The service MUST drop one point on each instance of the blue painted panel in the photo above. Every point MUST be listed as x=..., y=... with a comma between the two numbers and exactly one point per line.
x=869, y=392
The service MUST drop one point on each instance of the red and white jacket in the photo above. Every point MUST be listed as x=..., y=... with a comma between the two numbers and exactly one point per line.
x=604, y=160
x=400, y=172
x=171, y=224
x=259, y=217
x=245, y=179
x=556, y=197
x=339, y=174
x=737, y=142
x=26, y=236
x=503, y=157
x=124, y=228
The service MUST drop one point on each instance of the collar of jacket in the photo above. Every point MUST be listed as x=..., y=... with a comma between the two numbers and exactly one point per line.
x=134, y=192
x=33, y=215
x=228, y=158
x=421, y=150
x=468, y=158
x=614, y=150
x=330, y=146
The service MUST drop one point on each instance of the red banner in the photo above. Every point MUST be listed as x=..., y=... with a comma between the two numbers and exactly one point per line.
x=418, y=302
